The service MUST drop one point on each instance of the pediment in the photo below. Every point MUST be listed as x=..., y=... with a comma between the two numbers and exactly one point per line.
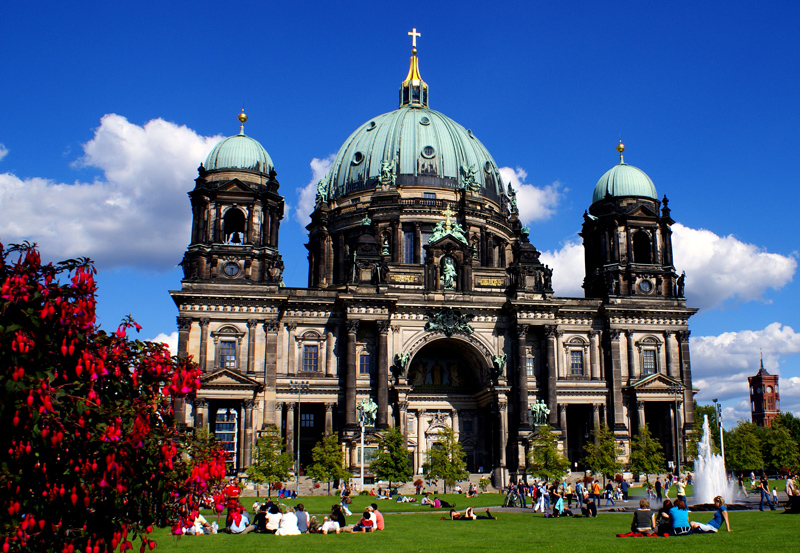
x=641, y=211
x=234, y=185
x=655, y=382
x=228, y=379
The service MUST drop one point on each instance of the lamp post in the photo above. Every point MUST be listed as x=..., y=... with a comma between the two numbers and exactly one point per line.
x=361, y=422
x=718, y=416
x=676, y=390
x=299, y=386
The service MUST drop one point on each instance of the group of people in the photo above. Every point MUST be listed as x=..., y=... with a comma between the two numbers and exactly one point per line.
x=559, y=496
x=673, y=519
x=659, y=490
x=280, y=520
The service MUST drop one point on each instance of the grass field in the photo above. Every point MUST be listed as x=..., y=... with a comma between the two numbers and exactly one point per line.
x=769, y=531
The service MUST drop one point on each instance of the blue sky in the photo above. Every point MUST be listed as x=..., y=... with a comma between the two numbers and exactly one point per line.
x=109, y=108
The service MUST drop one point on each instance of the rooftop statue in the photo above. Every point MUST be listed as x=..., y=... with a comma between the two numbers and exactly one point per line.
x=447, y=227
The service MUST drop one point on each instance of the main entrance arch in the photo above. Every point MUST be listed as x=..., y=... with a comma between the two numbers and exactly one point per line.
x=448, y=386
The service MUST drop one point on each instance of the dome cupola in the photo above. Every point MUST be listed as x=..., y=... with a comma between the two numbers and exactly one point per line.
x=624, y=180
x=239, y=152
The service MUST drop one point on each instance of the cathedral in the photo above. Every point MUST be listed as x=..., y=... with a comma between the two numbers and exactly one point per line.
x=427, y=305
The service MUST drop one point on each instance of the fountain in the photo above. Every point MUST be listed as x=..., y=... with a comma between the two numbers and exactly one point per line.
x=710, y=478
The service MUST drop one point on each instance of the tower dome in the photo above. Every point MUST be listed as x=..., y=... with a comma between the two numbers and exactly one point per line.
x=624, y=180
x=417, y=146
x=239, y=152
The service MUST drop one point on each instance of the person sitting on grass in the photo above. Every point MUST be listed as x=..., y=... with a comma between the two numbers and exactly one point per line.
x=273, y=519
x=335, y=522
x=720, y=516
x=426, y=499
x=558, y=505
x=405, y=499
x=380, y=523
x=366, y=524
x=679, y=515
x=644, y=520
x=259, y=524
x=663, y=522
x=288, y=525
x=589, y=508
x=469, y=514
x=472, y=491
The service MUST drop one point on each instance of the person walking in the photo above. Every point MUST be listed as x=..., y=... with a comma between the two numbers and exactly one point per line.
x=658, y=489
x=763, y=487
x=680, y=487
x=579, y=493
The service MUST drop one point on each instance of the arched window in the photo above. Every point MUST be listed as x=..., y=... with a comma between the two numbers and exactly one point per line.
x=233, y=226
x=642, y=253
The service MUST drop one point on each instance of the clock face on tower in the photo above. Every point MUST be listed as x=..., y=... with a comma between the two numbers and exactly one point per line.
x=231, y=269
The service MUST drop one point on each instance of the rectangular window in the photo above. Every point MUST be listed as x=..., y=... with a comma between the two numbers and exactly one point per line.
x=408, y=246
x=227, y=355
x=576, y=363
x=307, y=420
x=364, y=363
x=310, y=358
x=530, y=366
x=649, y=361
x=425, y=235
x=429, y=195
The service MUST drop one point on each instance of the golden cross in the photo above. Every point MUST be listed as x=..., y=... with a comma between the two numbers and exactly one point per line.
x=414, y=34
x=447, y=214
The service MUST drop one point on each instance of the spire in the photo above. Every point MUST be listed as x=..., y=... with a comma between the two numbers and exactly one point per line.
x=413, y=90
x=242, y=119
x=620, y=149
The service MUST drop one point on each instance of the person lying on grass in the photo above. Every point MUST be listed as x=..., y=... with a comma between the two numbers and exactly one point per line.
x=469, y=514
x=713, y=525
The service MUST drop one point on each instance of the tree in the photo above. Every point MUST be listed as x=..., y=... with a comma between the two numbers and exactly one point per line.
x=328, y=462
x=271, y=463
x=446, y=460
x=646, y=453
x=790, y=423
x=544, y=458
x=782, y=451
x=392, y=463
x=602, y=455
x=91, y=452
x=743, y=448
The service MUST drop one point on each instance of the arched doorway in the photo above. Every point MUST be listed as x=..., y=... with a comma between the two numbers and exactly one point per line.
x=449, y=386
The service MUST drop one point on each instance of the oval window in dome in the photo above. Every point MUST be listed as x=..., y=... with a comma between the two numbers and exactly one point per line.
x=424, y=121
x=371, y=125
x=488, y=167
x=428, y=152
x=358, y=157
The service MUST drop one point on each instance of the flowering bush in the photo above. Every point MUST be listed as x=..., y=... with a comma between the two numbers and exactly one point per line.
x=91, y=455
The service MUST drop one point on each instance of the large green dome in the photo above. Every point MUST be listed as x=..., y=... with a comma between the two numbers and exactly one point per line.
x=239, y=152
x=624, y=180
x=428, y=148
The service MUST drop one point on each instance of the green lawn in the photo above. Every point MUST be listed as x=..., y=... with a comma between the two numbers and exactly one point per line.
x=752, y=531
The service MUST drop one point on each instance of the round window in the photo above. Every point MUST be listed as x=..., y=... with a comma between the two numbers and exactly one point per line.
x=428, y=152
x=424, y=121
x=371, y=125
x=487, y=167
x=358, y=157
x=646, y=286
x=231, y=269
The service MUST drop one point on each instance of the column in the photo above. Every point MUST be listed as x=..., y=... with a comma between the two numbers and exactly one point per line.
x=248, y=431
x=184, y=328
x=290, y=429
x=561, y=365
x=270, y=368
x=278, y=417
x=503, y=437
x=633, y=374
x=240, y=464
x=420, y=438
x=291, y=365
x=616, y=382
x=640, y=410
x=562, y=420
x=251, y=346
x=204, y=343
x=200, y=418
x=353, y=453
x=595, y=419
x=550, y=333
x=329, y=418
x=454, y=419
x=402, y=406
x=350, y=383
x=672, y=359
x=686, y=377
x=594, y=341
x=383, y=375
x=522, y=377
x=330, y=358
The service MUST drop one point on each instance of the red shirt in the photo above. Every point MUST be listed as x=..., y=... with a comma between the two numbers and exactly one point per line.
x=378, y=520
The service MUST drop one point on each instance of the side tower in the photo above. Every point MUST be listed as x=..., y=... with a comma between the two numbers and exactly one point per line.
x=236, y=214
x=765, y=401
x=627, y=238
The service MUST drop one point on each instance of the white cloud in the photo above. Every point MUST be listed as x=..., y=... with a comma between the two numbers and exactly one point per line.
x=535, y=204
x=568, y=269
x=723, y=268
x=170, y=339
x=721, y=364
x=137, y=214
x=3, y=152
x=308, y=194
